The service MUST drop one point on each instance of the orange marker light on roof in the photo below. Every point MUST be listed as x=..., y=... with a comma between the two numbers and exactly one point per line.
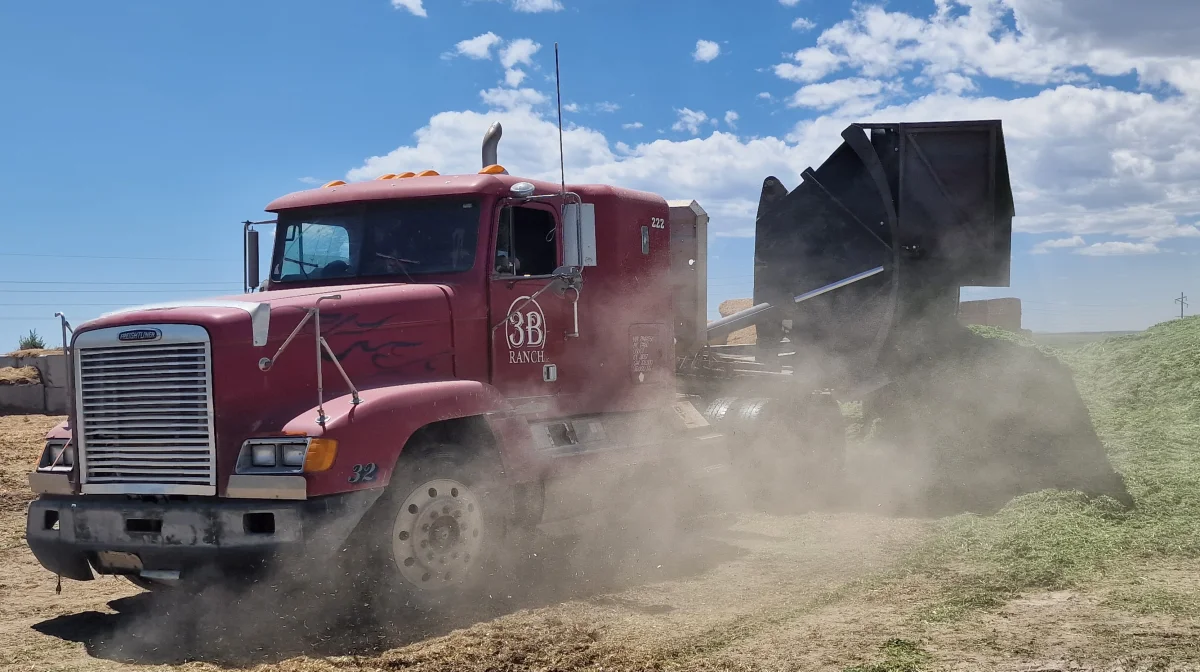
x=335, y=183
x=404, y=175
x=494, y=169
x=427, y=173
x=389, y=176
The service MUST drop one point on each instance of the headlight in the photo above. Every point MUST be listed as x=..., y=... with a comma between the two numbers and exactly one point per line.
x=58, y=455
x=262, y=455
x=293, y=454
x=286, y=455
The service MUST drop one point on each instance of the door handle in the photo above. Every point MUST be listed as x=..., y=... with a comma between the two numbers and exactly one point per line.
x=574, y=311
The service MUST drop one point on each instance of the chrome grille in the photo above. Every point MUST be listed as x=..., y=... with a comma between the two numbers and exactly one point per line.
x=145, y=411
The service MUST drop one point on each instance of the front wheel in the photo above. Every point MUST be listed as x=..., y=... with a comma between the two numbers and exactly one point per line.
x=441, y=525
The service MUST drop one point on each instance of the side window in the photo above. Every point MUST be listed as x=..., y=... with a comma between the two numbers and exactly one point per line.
x=317, y=249
x=526, y=243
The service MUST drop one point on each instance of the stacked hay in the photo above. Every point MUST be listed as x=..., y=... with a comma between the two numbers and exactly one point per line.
x=745, y=336
x=20, y=375
x=35, y=352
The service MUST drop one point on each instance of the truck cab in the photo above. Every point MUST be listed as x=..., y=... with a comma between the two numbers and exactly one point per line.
x=431, y=360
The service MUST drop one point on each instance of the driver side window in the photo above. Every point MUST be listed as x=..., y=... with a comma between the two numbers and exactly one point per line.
x=526, y=242
x=316, y=249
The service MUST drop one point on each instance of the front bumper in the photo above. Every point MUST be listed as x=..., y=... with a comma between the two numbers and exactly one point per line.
x=72, y=535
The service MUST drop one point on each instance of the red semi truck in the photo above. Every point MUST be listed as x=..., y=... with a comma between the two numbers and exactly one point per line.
x=434, y=361
x=431, y=360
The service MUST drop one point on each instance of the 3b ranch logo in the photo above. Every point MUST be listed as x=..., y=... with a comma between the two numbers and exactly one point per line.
x=526, y=332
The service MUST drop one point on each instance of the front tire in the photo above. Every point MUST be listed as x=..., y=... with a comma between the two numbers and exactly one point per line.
x=441, y=527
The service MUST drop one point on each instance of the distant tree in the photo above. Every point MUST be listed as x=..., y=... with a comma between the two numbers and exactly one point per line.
x=32, y=341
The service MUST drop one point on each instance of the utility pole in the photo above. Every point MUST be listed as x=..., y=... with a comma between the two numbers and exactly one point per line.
x=1182, y=301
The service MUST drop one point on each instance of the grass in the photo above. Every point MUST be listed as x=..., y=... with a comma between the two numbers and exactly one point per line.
x=899, y=655
x=1143, y=392
x=1069, y=341
x=1156, y=601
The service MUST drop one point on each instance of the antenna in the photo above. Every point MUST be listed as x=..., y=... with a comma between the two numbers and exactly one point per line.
x=558, y=89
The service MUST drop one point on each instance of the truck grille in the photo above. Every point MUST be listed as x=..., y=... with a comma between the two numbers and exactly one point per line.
x=145, y=411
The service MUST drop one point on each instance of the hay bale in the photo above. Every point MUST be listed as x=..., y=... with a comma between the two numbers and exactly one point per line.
x=35, y=352
x=20, y=375
x=747, y=336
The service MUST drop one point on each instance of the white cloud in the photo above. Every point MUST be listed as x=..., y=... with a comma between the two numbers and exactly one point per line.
x=478, y=47
x=519, y=51
x=953, y=82
x=706, y=51
x=535, y=6
x=607, y=107
x=414, y=7
x=802, y=23
x=765, y=95
x=731, y=118
x=811, y=64
x=570, y=107
x=514, y=76
x=689, y=120
x=311, y=180
x=632, y=126
x=789, y=3
x=827, y=95
x=1045, y=246
x=1113, y=248
x=512, y=99
x=1053, y=42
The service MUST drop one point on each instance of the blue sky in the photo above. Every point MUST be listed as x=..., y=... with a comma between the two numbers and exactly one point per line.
x=137, y=135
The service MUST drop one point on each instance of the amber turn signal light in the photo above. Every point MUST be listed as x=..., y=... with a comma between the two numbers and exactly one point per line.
x=320, y=455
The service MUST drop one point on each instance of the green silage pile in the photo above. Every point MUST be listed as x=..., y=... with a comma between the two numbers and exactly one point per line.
x=1143, y=394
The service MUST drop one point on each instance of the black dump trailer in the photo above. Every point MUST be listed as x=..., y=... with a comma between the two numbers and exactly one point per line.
x=857, y=276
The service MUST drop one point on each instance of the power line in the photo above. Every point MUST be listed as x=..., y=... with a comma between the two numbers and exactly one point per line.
x=86, y=256
x=198, y=283
x=1182, y=301
x=105, y=291
x=59, y=305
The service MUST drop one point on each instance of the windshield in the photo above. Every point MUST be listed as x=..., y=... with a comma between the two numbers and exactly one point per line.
x=386, y=238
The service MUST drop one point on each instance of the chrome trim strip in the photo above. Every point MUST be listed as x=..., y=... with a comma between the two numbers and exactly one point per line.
x=46, y=483
x=259, y=486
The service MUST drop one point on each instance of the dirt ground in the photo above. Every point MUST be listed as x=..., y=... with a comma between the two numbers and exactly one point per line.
x=744, y=591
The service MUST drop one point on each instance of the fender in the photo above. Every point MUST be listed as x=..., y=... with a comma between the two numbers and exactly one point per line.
x=59, y=431
x=376, y=430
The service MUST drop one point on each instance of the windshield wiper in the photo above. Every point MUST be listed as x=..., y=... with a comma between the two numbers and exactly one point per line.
x=402, y=263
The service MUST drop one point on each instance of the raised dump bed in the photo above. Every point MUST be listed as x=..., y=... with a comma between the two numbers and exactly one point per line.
x=857, y=276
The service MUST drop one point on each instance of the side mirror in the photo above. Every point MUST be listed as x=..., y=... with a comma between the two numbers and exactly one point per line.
x=251, y=260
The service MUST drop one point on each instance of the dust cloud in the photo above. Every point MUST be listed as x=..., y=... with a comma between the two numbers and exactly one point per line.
x=967, y=423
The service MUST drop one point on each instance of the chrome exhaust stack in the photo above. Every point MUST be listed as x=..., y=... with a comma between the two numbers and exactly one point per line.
x=491, y=140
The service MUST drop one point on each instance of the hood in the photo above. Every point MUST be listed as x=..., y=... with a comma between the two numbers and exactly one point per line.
x=256, y=310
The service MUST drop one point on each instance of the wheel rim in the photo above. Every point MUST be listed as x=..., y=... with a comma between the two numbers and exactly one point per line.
x=438, y=534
